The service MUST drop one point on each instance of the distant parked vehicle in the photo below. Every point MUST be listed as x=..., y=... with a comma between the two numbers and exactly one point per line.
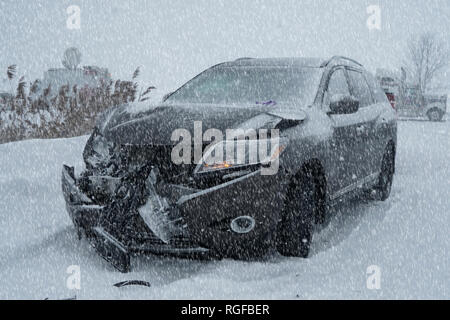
x=405, y=98
x=430, y=106
x=391, y=98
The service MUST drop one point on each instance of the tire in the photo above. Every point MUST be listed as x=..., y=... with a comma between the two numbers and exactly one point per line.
x=386, y=177
x=435, y=115
x=251, y=250
x=294, y=232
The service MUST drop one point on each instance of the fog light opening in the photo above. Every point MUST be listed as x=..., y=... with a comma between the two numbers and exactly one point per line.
x=242, y=224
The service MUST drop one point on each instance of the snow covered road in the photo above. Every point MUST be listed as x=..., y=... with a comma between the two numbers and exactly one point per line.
x=407, y=237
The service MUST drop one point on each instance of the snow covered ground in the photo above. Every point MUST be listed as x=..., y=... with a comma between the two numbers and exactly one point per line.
x=407, y=237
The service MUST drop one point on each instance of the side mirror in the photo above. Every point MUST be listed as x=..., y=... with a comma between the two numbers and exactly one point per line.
x=343, y=104
x=166, y=96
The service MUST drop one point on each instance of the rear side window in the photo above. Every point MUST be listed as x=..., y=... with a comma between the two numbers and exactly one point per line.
x=360, y=88
x=378, y=93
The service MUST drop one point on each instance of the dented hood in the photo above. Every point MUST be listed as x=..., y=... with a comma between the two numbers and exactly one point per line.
x=139, y=124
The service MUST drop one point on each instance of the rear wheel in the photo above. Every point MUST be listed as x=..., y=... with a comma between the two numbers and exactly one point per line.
x=294, y=232
x=435, y=115
x=386, y=177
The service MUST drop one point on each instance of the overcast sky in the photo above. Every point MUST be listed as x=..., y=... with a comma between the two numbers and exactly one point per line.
x=174, y=40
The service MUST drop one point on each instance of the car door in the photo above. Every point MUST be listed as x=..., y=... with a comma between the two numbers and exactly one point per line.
x=344, y=144
x=367, y=133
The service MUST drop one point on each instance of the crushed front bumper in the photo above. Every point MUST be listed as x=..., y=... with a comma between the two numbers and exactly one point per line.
x=189, y=222
x=91, y=220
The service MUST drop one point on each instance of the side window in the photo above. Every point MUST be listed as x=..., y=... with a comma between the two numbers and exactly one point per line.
x=337, y=85
x=361, y=89
x=378, y=93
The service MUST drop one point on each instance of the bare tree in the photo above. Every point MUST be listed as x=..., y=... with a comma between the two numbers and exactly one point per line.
x=427, y=56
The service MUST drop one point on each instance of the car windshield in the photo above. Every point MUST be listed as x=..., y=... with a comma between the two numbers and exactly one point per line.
x=255, y=85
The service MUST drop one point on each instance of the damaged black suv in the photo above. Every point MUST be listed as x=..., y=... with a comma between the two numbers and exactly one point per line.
x=331, y=132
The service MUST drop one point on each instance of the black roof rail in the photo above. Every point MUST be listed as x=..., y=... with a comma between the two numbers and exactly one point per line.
x=340, y=57
x=243, y=58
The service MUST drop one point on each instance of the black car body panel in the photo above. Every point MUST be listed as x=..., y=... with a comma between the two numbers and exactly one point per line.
x=133, y=199
x=155, y=126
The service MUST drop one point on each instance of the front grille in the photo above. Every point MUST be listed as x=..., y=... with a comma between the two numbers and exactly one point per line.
x=132, y=157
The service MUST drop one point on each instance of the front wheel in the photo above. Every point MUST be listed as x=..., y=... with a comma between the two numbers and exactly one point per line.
x=294, y=232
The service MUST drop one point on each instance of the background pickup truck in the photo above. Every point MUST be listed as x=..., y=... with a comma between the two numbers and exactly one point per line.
x=405, y=98
x=409, y=104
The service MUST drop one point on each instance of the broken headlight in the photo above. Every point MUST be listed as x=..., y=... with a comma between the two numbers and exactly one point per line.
x=98, y=152
x=240, y=154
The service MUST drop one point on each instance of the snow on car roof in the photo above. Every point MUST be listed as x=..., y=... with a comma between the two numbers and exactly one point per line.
x=275, y=62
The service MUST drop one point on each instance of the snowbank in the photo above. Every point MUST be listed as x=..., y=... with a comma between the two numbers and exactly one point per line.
x=407, y=237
